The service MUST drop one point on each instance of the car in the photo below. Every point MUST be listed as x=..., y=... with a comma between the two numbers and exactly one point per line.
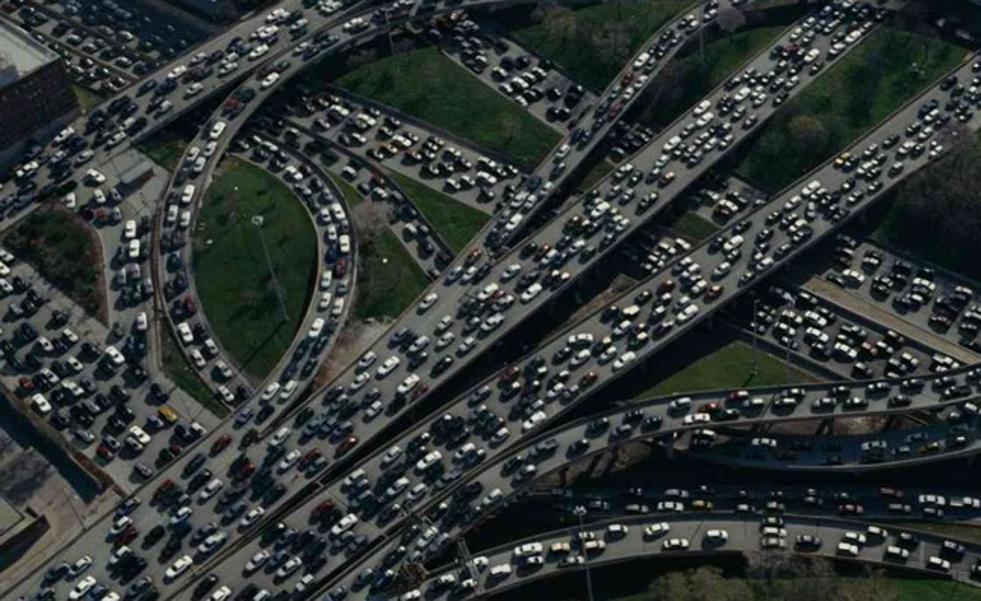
x=82, y=588
x=179, y=566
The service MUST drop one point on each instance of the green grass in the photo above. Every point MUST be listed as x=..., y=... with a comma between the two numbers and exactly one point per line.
x=351, y=196
x=593, y=42
x=87, y=99
x=165, y=150
x=729, y=367
x=861, y=90
x=689, y=79
x=455, y=222
x=431, y=87
x=235, y=285
x=388, y=278
x=185, y=377
x=928, y=589
x=66, y=252
x=595, y=175
x=691, y=226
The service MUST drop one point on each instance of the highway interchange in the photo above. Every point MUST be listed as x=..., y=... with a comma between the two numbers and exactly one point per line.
x=526, y=397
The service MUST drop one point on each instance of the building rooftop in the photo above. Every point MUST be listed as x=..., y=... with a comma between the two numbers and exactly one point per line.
x=20, y=54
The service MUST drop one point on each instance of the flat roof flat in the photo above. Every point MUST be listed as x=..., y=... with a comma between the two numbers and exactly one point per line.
x=20, y=53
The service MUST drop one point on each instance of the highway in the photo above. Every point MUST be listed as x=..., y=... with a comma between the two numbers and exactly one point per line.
x=340, y=429
x=503, y=301
x=489, y=481
x=909, y=168
x=638, y=537
x=501, y=396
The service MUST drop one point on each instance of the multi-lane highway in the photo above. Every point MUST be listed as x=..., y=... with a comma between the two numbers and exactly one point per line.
x=513, y=403
x=501, y=396
x=607, y=542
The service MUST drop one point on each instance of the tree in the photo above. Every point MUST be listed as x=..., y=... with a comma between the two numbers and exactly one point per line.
x=699, y=585
x=808, y=133
x=609, y=41
x=730, y=19
x=22, y=476
x=939, y=206
x=559, y=23
x=369, y=216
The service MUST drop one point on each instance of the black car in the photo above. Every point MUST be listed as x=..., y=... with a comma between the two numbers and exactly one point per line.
x=154, y=535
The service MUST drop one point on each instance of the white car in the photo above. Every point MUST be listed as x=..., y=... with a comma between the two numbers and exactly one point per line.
x=257, y=561
x=179, y=567
x=657, y=530
x=81, y=588
x=368, y=359
x=427, y=302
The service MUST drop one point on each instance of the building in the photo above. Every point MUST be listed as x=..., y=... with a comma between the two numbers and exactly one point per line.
x=36, y=97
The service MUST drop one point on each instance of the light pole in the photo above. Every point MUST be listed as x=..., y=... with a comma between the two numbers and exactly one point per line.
x=280, y=295
x=754, y=369
x=580, y=512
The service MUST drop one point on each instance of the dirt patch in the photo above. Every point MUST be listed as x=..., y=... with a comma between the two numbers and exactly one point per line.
x=353, y=340
x=620, y=284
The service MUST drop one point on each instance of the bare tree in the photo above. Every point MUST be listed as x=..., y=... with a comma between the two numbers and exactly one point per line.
x=699, y=584
x=369, y=217
x=22, y=476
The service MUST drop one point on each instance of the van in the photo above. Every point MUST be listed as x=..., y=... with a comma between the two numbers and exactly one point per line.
x=502, y=570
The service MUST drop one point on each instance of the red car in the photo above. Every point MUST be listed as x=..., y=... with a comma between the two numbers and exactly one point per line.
x=26, y=384
x=219, y=445
x=324, y=509
x=165, y=487
x=126, y=536
x=308, y=458
x=348, y=444
x=105, y=453
x=244, y=472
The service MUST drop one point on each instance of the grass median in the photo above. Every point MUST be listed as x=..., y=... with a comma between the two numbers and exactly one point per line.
x=592, y=42
x=730, y=366
x=87, y=99
x=66, y=252
x=864, y=88
x=388, y=278
x=427, y=85
x=237, y=289
x=686, y=80
x=454, y=222
x=185, y=377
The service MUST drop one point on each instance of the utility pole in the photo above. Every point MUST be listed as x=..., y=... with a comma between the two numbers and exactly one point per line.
x=754, y=368
x=280, y=293
x=580, y=512
x=464, y=551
